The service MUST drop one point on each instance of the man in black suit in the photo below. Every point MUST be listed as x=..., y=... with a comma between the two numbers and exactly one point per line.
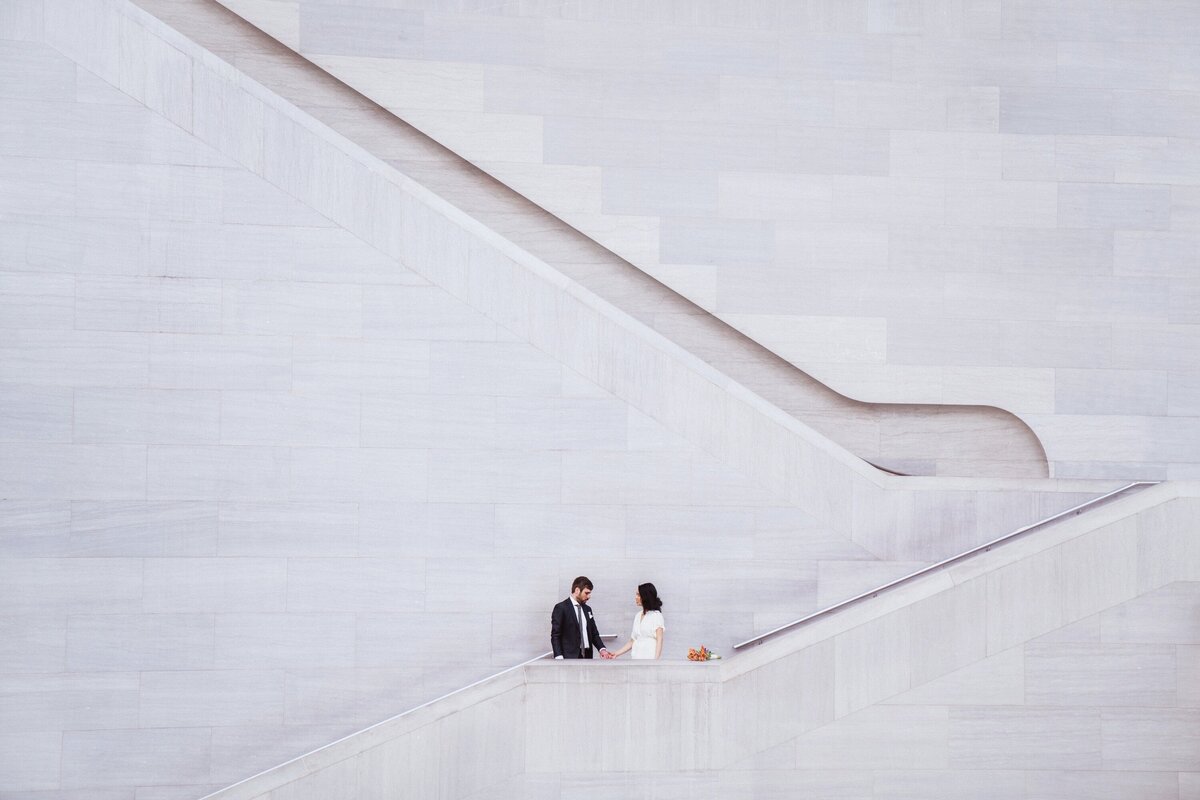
x=573, y=632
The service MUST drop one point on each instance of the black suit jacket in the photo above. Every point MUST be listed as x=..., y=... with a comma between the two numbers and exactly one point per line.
x=564, y=631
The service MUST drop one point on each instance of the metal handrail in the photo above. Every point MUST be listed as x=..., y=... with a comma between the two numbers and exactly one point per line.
x=983, y=548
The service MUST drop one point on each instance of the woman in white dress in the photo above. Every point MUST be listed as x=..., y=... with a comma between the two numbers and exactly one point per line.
x=646, y=640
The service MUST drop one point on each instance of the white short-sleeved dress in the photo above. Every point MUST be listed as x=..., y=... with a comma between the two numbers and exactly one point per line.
x=644, y=626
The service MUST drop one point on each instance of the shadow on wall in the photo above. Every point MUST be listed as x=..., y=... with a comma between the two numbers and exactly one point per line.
x=902, y=438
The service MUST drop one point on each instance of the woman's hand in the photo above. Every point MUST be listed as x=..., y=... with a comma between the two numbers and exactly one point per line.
x=658, y=643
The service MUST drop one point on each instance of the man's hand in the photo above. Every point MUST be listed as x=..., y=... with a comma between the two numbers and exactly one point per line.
x=604, y=653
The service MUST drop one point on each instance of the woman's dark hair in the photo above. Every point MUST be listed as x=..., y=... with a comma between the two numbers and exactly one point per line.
x=649, y=595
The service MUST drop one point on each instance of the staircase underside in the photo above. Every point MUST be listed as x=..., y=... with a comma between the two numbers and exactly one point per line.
x=912, y=439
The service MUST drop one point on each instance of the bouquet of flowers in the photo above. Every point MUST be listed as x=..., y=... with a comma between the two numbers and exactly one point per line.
x=701, y=654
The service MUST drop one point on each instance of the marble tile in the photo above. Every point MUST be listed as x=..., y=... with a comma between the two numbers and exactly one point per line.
x=316, y=419
x=1099, y=570
x=1085, y=631
x=911, y=107
x=172, y=305
x=344, y=474
x=35, y=414
x=516, y=89
x=146, y=416
x=83, y=472
x=358, y=697
x=873, y=662
x=714, y=532
x=210, y=698
x=1031, y=110
x=238, y=752
x=423, y=313
x=492, y=476
x=948, y=631
x=389, y=639
x=575, y=423
x=354, y=585
x=33, y=643
x=228, y=119
x=532, y=591
x=1024, y=600
x=1156, y=113
x=69, y=358
x=729, y=585
x=788, y=533
x=38, y=186
x=265, y=308
x=164, y=756
x=1187, y=666
x=155, y=72
x=31, y=761
x=501, y=368
x=1113, y=65
x=674, y=192
x=22, y=21
x=65, y=702
x=712, y=241
x=248, y=363
x=1154, y=346
x=1163, y=616
x=148, y=191
x=879, y=737
x=1151, y=739
x=361, y=31
x=945, y=155
x=1189, y=785
x=534, y=529
x=1100, y=675
x=948, y=784
x=1106, y=785
x=851, y=59
x=139, y=528
x=138, y=641
x=1083, y=205
x=1013, y=204
x=34, y=528
x=36, y=301
x=429, y=421
x=280, y=530
x=1024, y=738
x=280, y=641
x=1148, y=254
x=46, y=585
x=372, y=366
x=995, y=681
x=178, y=472
x=214, y=585
x=417, y=530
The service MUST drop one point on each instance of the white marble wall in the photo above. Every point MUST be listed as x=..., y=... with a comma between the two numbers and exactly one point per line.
x=263, y=485
x=990, y=202
x=290, y=445
x=1061, y=666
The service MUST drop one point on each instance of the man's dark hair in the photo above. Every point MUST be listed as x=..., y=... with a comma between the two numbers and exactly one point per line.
x=581, y=582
